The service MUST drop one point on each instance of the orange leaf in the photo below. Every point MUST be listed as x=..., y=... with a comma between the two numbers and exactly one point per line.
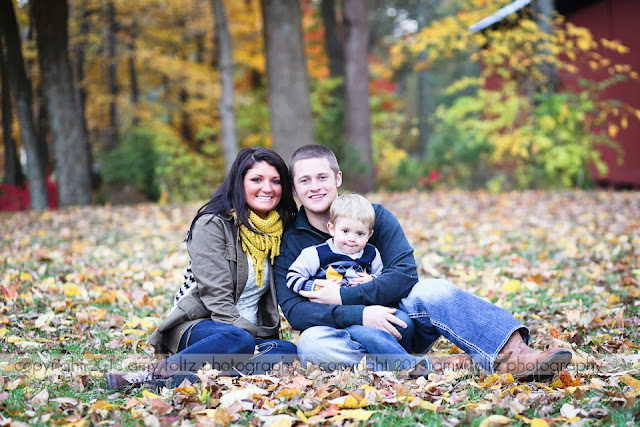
x=565, y=380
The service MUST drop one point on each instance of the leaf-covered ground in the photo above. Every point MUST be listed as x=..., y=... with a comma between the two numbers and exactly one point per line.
x=82, y=288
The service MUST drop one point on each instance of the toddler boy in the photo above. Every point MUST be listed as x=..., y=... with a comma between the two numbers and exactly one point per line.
x=346, y=258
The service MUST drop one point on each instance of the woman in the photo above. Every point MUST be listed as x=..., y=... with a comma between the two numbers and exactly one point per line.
x=226, y=313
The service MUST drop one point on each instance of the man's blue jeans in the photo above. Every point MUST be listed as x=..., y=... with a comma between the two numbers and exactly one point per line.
x=437, y=308
x=228, y=348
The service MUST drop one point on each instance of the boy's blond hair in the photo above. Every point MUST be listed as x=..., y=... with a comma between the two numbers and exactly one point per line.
x=352, y=206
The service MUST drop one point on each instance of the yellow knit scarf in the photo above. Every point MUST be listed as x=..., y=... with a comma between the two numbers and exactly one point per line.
x=260, y=246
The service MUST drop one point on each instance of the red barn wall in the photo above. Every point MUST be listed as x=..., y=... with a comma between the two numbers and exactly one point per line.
x=618, y=20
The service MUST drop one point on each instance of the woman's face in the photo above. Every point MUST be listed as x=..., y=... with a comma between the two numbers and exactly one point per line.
x=262, y=188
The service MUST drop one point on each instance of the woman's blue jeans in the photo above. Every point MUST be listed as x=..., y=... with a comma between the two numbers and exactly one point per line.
x=229, y=349
x=437, y=308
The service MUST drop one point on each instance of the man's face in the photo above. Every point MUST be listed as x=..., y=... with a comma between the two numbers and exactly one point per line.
x=315, y=184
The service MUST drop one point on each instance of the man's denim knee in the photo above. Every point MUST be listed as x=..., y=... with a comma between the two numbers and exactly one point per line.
x=329, y=348
x=433, y=288
x=407, y=333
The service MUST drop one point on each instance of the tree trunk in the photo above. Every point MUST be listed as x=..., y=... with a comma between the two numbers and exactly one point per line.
x=544, y=10
x=331, y=40
x=288, y=82
x=112, y=133
x=69, y=141
x=226, y=104
x=424, y=16
x=39, y=104
x=356, y=93
x=81, y=94
x=185, y=118
x=133, y=76
x=21, y=88
x=12, y=168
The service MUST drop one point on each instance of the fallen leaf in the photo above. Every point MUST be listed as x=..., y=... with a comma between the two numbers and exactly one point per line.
x=539, y=422
x=495, y=420
x=357, y=414
x=73, y=290
x=228, y=399
x=101, y=404
x=568, y=411
x=631, y=381
x=41, y=398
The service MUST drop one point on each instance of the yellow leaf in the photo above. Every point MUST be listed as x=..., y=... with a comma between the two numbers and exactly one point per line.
x=288, y=393
x=186, y=390
x=101, y=404
x=429, y=406
x=24, y=276
x=613, y=130
x=631, y=381
x=148, y=394
x=145, y=323
x=13, y=339
x=72, y=290
x=350, y=402
x=357, y=414
x=302, y=416
x=511, y=286
x=495, y=420
x=91, y=356
x=211, y=413
x=624, y=122
x=3, y=332
x=539, y=422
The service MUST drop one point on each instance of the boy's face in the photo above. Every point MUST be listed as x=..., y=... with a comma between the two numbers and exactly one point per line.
x=349, y=235
x=315, y=184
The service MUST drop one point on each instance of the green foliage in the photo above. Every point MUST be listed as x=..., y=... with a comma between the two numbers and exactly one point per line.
x=161, y=168
x=133, y=162
x=522, y=128
x=327, y=108
x=564, y=147
x=459, y=149
x=502, y=139
x=252, y=119
x=408, y=174
x=183, y=173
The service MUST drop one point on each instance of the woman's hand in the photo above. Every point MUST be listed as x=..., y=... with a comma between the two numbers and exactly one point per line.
x=329, y=293
x=379, y=317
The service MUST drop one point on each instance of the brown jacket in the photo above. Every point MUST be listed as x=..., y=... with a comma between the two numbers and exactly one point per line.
x=219, y=266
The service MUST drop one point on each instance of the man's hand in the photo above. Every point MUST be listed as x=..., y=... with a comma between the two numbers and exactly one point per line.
x=379, y=317
x=364, y=278
x=329, y=293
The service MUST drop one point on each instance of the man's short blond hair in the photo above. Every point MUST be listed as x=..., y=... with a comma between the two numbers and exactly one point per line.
x=314, y=151
x=352, y=206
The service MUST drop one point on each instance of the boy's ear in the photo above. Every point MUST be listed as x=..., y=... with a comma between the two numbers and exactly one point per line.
x=370, y=234
x=330, y=228
x=339, y=179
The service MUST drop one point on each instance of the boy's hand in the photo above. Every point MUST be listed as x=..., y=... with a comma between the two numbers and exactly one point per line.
x=329, y=292
x=364, y=278
x=379, y=317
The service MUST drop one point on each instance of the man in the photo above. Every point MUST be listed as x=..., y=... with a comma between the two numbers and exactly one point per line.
x=490, y=335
